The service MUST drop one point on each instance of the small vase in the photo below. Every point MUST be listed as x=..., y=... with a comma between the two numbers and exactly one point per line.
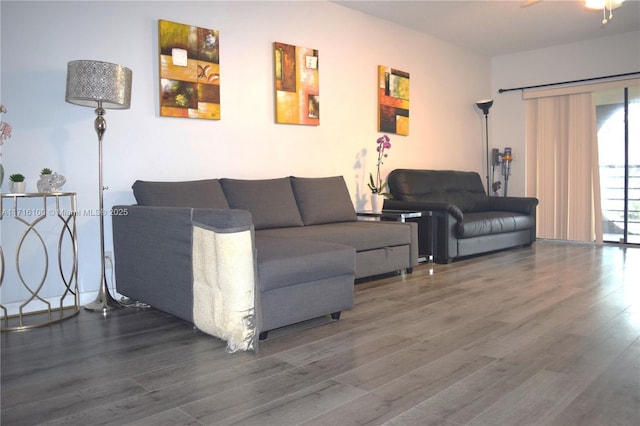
x=45, y=183
x=51, y=182
x=377, y=202
x=18, y=187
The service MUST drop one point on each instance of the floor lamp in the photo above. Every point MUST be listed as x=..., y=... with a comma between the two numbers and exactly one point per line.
x=101, y=85
x=484, y=105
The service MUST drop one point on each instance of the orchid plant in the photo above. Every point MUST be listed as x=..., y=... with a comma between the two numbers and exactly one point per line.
x=378, y=185
x=5, y=133
x=5, y=128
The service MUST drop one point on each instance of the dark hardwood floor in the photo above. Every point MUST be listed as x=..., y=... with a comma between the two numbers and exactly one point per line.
x=548, y=335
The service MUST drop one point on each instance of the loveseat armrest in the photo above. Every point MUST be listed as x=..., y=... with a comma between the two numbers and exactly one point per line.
x=526, y=205
x=391, y=204
x=153, y=252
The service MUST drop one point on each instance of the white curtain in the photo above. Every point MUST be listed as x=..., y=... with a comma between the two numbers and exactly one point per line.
x=562, y=166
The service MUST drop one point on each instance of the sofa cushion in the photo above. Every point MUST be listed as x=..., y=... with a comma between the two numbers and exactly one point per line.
x=270, y=201
x=283, y=262
x=323, y=200
x=197, y=194
x=361, y=235
x=493, y=222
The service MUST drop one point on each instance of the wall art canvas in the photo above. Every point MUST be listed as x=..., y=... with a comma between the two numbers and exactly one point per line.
x=189, y=71
x=393, y=101
x=296, y=85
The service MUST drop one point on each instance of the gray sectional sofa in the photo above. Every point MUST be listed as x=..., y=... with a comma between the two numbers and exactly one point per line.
x=304, y=247
x=467, y=221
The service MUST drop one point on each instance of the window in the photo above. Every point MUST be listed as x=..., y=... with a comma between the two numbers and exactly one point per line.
x=618, y=122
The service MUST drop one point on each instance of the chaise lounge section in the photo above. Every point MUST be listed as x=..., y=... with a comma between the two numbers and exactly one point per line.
x=293, y=245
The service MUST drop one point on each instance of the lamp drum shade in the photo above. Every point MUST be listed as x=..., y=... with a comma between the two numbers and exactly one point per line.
x=91, y=83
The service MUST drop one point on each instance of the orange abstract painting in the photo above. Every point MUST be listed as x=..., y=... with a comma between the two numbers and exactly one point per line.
x=189, y=71
x=297, y=96
x=393, y=101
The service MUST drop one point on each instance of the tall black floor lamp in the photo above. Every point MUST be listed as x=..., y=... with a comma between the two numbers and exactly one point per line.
x=101, y=85
x=484, y=105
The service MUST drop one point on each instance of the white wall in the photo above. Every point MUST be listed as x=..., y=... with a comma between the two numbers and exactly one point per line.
x=611, y=55
x=39, y=38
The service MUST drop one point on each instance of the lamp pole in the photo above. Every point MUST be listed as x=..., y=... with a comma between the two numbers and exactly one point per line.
x=486, y=141
x=104, y=301
x=484, y=105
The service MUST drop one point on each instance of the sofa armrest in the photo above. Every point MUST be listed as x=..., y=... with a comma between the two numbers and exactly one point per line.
x=391, y=204
x=526, y=205
x=227, y=220
x=153, y=252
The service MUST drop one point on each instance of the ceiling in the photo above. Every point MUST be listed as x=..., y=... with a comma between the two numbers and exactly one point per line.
x=502, y=27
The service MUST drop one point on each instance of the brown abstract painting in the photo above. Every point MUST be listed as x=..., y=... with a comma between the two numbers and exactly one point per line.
x=189, y=71
x=296, y=84
x=393, y=101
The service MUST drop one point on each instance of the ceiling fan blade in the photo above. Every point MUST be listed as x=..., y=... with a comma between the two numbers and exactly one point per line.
x=527, y=3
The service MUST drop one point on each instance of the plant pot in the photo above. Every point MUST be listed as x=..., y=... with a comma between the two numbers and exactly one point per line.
x=50, y=182
x=377, y=202
x=18, y=187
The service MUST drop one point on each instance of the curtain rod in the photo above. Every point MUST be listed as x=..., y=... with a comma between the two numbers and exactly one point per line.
x=568, y=82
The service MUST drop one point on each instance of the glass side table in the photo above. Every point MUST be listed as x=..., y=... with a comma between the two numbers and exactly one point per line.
x=397, y=215
x=403, y=216
x=31, y=212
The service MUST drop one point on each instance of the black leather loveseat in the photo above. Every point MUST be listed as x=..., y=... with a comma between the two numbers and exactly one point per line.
x=467, y=221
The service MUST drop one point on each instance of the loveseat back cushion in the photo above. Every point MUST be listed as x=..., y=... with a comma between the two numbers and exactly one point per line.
x=206, y=194
x=466, y=201
x=323, y=200
x=464, y=189
x=270, y=201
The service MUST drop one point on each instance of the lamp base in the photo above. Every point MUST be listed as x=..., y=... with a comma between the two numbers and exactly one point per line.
x=103, y=302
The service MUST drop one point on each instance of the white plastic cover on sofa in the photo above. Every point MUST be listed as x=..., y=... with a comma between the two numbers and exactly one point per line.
x=224, y=286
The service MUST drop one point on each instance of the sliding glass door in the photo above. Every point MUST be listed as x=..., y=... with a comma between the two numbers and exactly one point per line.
x=618, y=124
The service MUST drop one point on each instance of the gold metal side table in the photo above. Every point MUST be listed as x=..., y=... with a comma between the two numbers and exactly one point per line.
x=36, y=310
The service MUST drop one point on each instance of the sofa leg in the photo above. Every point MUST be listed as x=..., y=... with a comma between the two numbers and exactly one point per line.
x=335, y=315
x=263, y=335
